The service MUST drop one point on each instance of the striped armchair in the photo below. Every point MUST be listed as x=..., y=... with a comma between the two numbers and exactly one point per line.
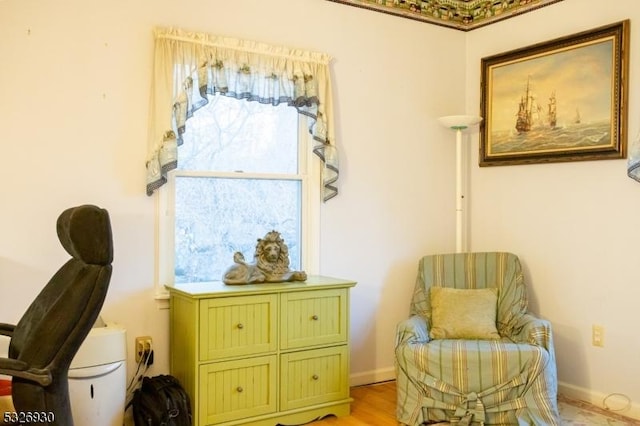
x=508, y=380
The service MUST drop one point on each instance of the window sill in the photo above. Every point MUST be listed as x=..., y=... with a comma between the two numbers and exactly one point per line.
x=162, y=299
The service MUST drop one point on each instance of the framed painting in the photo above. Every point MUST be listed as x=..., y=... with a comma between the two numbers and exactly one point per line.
x=562, y=100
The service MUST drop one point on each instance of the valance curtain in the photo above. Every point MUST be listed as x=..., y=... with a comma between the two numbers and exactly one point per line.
x=190, y=66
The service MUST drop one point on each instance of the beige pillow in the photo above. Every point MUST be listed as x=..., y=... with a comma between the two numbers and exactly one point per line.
x=463, y=313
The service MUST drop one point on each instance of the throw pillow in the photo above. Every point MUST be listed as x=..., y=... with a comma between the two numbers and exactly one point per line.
x=463, y=313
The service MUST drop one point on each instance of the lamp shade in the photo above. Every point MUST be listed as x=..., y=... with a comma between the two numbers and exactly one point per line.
x=459, y=122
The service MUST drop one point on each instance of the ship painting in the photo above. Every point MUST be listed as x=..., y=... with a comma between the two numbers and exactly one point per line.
x=530, y=112
x=538, y=128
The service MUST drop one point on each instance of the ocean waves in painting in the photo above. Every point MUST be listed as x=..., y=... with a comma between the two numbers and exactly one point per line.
x=542, y=140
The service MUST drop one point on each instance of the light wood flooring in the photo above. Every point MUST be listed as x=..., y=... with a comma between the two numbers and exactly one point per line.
x=375, y=405
x=372, y=405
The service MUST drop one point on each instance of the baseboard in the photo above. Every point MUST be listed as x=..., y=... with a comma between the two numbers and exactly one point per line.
x=617, y=403
x=373, y=376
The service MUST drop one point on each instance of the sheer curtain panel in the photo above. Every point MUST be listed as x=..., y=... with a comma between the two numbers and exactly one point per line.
x=633, y=162
x=189, y=67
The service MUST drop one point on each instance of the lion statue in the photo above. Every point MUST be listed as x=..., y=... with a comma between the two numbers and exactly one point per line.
x=271, y=264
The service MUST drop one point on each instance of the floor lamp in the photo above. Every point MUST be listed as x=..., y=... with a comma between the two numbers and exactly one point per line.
x=459, y=123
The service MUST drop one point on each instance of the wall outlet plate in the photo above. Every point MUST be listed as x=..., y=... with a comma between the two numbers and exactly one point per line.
x=597, y=336
x=143, y=343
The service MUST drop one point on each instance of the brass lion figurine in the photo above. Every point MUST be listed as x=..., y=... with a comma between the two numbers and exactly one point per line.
x=271, y=264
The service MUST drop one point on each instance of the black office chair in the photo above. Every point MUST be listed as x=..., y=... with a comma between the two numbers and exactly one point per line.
x=50, y=332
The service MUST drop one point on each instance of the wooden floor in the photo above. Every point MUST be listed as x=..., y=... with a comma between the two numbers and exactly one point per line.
x=372, y=405
x=375, y=405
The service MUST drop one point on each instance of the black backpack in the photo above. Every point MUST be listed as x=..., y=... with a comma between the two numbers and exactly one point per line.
x=161, y=401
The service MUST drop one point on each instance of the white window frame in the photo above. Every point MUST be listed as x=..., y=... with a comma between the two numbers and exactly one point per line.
x=309, y=174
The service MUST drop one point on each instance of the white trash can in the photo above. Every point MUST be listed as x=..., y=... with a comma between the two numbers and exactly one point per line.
x=97, y=377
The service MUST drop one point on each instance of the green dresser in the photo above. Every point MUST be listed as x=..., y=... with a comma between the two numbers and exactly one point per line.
x=262, y=354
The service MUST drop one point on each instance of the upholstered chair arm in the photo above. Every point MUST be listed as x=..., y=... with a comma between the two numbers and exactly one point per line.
x=414, y=329
x=6, y=329
x=16, y=368
x=534, y=331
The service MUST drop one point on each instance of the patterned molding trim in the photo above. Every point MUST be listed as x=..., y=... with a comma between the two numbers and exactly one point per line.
x=463, y=15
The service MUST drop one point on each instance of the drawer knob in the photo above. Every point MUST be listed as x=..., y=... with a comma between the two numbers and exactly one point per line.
x=315, y=318
x=240, y=326
x=239, y=389
x=315, y=377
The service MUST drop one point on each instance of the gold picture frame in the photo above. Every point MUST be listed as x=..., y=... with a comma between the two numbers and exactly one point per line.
x=581, y=78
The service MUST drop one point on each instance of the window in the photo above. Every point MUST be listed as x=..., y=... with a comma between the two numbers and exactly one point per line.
x=243, y=171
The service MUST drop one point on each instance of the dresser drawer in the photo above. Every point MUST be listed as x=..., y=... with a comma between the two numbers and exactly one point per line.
x=236, y=326
x=314, y=377
x=313, y=318
x=237, y=389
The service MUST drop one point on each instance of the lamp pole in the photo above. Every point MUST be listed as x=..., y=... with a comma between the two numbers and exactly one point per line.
x=458, y=123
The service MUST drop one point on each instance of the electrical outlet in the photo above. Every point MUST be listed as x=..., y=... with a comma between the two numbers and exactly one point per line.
x=143, y=344
x=597, y=335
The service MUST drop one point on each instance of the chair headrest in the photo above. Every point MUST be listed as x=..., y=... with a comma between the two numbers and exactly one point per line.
x=85, y=233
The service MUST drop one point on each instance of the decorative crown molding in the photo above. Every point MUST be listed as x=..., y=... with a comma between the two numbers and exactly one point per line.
x=462, y=15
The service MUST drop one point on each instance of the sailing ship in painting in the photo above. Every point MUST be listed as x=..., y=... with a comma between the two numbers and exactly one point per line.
x=530, y=112
x=538, y=129
x=551, y=112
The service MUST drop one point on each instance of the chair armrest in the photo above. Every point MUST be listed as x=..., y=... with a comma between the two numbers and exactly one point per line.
x=537, y=331
x=6, y=329
x=413, y=329
x=534, y=331
x=16, y=368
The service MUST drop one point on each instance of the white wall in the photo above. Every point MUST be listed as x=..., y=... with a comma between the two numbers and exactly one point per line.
x=74, y=89
x=574, y=225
